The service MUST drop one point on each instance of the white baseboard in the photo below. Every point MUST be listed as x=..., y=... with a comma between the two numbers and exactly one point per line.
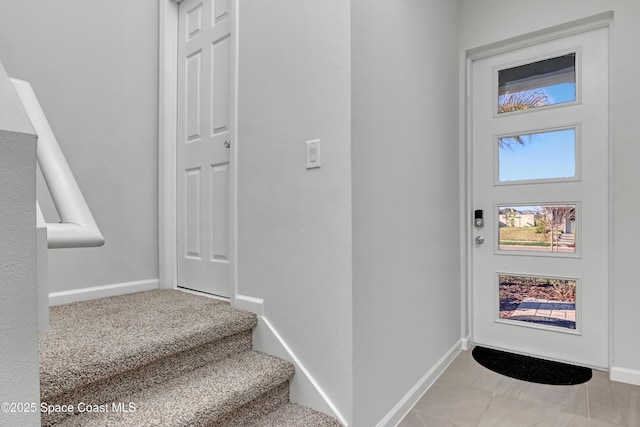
x=465, y=343
x=85, y=294
x=403, y=407
x=304, y=389
x=200, y=293
x=254, y=305
x=624, y=375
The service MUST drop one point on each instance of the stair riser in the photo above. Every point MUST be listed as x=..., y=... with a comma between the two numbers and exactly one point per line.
x=201, y=397
x=113, y=388
x=251, y=412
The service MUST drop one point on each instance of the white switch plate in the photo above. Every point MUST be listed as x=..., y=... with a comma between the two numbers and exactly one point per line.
x=313, y=154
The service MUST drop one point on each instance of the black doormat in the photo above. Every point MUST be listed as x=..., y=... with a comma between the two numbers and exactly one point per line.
x=531, y=369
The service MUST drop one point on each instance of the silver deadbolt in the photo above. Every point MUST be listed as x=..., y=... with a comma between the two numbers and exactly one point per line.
x=479, y=240
x=227, y=144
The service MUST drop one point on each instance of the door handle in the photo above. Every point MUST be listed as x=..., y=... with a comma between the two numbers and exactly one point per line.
x=479, y=240
x=227, y=144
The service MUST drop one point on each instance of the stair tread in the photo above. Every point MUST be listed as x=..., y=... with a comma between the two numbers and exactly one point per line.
x=199, y=397
x=93, y=340
x=294, y=415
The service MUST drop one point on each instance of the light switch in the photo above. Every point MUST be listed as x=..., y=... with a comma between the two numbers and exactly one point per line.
x=313, y=154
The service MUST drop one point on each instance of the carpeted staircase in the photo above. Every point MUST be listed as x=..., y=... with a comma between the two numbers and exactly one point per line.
x=163, y=358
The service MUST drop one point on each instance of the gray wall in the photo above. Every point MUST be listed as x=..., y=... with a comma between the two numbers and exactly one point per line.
x=406, y=290
x=490, y=21
x=93, y=66
x=294, y=238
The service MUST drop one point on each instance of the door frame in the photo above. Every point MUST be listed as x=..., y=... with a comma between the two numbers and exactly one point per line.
x=603, y=20
x=167, y=146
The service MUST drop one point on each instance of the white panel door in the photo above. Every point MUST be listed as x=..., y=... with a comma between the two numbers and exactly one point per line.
x=540, y=177
x=204, y=137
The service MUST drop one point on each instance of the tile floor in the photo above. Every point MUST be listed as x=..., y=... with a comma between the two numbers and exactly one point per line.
x=467, y=395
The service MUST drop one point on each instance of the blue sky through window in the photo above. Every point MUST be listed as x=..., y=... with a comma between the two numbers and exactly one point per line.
x=564, y=92
x=541, y=155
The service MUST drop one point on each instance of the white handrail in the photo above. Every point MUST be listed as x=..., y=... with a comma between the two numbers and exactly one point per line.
x=77, y=228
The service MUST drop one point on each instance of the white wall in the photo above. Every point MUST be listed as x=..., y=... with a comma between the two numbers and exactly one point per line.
x=489, y=21
x=406, y=290
x=93, y=66
x=294, y=241
x=19, y=363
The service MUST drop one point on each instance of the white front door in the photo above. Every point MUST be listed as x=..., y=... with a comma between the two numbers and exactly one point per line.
x=204, y=139
x=539, y=173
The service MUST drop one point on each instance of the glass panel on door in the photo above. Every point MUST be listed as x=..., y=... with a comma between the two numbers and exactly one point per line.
x=545, y=301
x=537, y=84
x=536, y=156
x=548, y=228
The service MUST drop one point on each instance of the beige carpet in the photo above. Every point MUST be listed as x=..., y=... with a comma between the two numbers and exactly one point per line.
x=292, y=415
x=178, y=358
x=95, y=339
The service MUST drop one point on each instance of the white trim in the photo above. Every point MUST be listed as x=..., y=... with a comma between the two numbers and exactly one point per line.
x=304, y=389
x=611, y=189
x=567, y=29
x=465, y=343
x=624, y=375
x=167, y=119
x=465, y=186
x=86, y=294
x=233, y=155
x=202, y=294
x=254, y=305
x=405, y=404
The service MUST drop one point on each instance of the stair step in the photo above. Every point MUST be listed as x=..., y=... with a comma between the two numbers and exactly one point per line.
x=294, y=415
x=179, y=359
x=98, y=350
x=96, y=339
x=203, y=397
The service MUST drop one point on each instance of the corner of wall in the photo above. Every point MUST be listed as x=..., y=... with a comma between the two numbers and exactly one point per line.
x=304, y=389
x=254, y=305
x=465, y=343
x=18, y=252
x=402, y=408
